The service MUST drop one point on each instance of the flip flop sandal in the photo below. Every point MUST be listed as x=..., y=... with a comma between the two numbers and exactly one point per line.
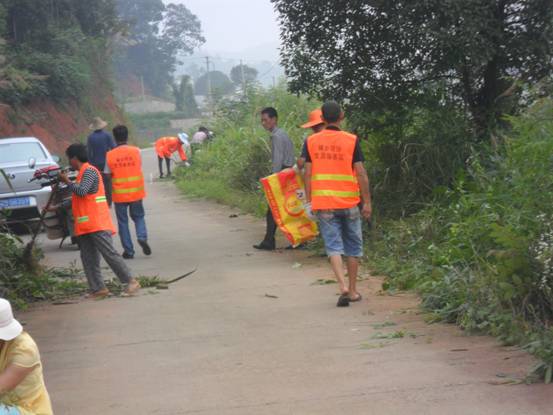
x=343, y=301
x=359, y=298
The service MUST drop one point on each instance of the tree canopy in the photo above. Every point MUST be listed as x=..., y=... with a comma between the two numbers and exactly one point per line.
x=54, y=48
x=381, y=54
x=250, y=74
x=220, y=84
x=156, y=34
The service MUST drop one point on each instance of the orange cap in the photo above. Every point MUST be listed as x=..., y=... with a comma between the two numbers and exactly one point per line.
x=315, y=118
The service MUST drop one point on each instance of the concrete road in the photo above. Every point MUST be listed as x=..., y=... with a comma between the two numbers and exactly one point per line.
x=250, y=333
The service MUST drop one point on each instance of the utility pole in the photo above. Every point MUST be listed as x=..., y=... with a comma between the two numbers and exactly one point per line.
x=243, y=77
x=143, y=89
x=208, y=77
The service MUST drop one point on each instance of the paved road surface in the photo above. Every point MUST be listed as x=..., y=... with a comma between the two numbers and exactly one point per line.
x=217, y=344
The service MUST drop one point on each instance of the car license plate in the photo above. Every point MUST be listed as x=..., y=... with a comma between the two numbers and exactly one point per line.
x=15, y=202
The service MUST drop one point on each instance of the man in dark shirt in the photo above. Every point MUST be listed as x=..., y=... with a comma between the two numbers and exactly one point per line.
x=98, y=144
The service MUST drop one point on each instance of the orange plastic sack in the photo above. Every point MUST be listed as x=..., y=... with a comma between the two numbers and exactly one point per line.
x=285, y=192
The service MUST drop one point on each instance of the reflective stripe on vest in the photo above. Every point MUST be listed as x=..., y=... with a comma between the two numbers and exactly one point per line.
x=127, y=191
x=334, y=193
x=127, y=179
x=83, y=219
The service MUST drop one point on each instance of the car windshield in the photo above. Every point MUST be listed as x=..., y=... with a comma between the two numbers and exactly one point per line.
x=20, y=152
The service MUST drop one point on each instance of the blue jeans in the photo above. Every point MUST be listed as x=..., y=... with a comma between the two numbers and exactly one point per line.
x=136, y=210
x=9, y=410
x=342, y=231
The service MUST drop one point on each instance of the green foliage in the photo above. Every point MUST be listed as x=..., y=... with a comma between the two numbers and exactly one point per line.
x=22, y=286
x=53, y=49
x=481, y=255
x=382, y=55
x=220, y=84
x=243, y=73
x=228, y=169
x=156, y=34
x=185, y=100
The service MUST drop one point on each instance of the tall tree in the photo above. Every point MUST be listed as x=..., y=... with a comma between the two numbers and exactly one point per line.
x=382, y=54
x=220, y=84
x=184, y=97
x=156, y=35
x=249, y=74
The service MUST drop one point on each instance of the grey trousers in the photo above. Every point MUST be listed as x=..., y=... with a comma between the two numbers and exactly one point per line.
x=93, y=245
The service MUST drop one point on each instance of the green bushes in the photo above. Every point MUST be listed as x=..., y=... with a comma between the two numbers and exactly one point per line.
x=481, y=255
x=22, y=286
x=229, y=168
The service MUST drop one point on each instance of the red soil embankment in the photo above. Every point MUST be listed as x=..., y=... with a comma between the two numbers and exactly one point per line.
x=56, y=125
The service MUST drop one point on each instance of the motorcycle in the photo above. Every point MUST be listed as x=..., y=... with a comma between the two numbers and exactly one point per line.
x=59, y=223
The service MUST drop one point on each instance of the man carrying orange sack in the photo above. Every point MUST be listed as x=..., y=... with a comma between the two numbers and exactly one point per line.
x=124, y=163
x=335, y=183
x=93, y=225
x=166, y=146
x=317, y=124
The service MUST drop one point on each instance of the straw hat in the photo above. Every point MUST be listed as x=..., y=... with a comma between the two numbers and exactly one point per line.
x=9, y=326
x=315, y=118
x=98, y=124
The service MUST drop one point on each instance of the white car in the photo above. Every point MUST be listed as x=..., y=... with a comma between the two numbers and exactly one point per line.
x=20, y=199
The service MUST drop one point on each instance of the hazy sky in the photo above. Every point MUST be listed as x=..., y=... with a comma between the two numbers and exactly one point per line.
x=237, y=25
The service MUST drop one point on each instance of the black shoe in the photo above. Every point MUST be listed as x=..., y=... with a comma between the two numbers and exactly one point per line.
x=127, y=256
x=343, y=301
x=145, y=247
x=265, y=246
x=161, y=176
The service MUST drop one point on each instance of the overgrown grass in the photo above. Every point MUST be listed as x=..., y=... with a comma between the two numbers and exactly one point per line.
x=229, y=168
x=22, y=285
x=481, y=255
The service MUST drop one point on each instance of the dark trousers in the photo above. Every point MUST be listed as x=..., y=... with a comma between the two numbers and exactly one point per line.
x=107, y=185
x=167, y=162
x=271, y=228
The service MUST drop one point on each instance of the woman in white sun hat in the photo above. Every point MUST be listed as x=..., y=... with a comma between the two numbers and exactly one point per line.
x=22, y=388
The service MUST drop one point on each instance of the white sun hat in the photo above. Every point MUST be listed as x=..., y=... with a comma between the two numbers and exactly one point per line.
x=10, y=328
x=183, y=137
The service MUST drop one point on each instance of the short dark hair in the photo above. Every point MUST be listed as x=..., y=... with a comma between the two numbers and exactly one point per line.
x=270, y=112
x=332, y=112
x=121, y=134
x=77, y=151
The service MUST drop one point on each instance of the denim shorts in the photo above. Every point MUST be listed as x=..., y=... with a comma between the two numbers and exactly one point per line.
x=341, y=230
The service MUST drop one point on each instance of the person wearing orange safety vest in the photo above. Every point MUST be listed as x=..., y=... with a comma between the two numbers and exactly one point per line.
x=124, y=164
x=166, y=146
x=317, y=124
x=93, y=225
x=335, y=183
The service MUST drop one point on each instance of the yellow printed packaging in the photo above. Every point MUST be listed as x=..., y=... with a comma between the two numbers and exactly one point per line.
x=285, y=192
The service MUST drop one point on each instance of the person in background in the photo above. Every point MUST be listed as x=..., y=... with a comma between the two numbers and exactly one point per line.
x=98, y=145
x=22, y=388
x=166, y=146
x=93, y=225
x=201, y=136
x=335, y=183
x=124, y=165
x=317, y=124
x=282, y=152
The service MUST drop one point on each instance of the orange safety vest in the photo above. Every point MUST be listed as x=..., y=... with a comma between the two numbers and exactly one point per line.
x=166, y=146
x=334, y=183
x=124, y=162
x=91, y=212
